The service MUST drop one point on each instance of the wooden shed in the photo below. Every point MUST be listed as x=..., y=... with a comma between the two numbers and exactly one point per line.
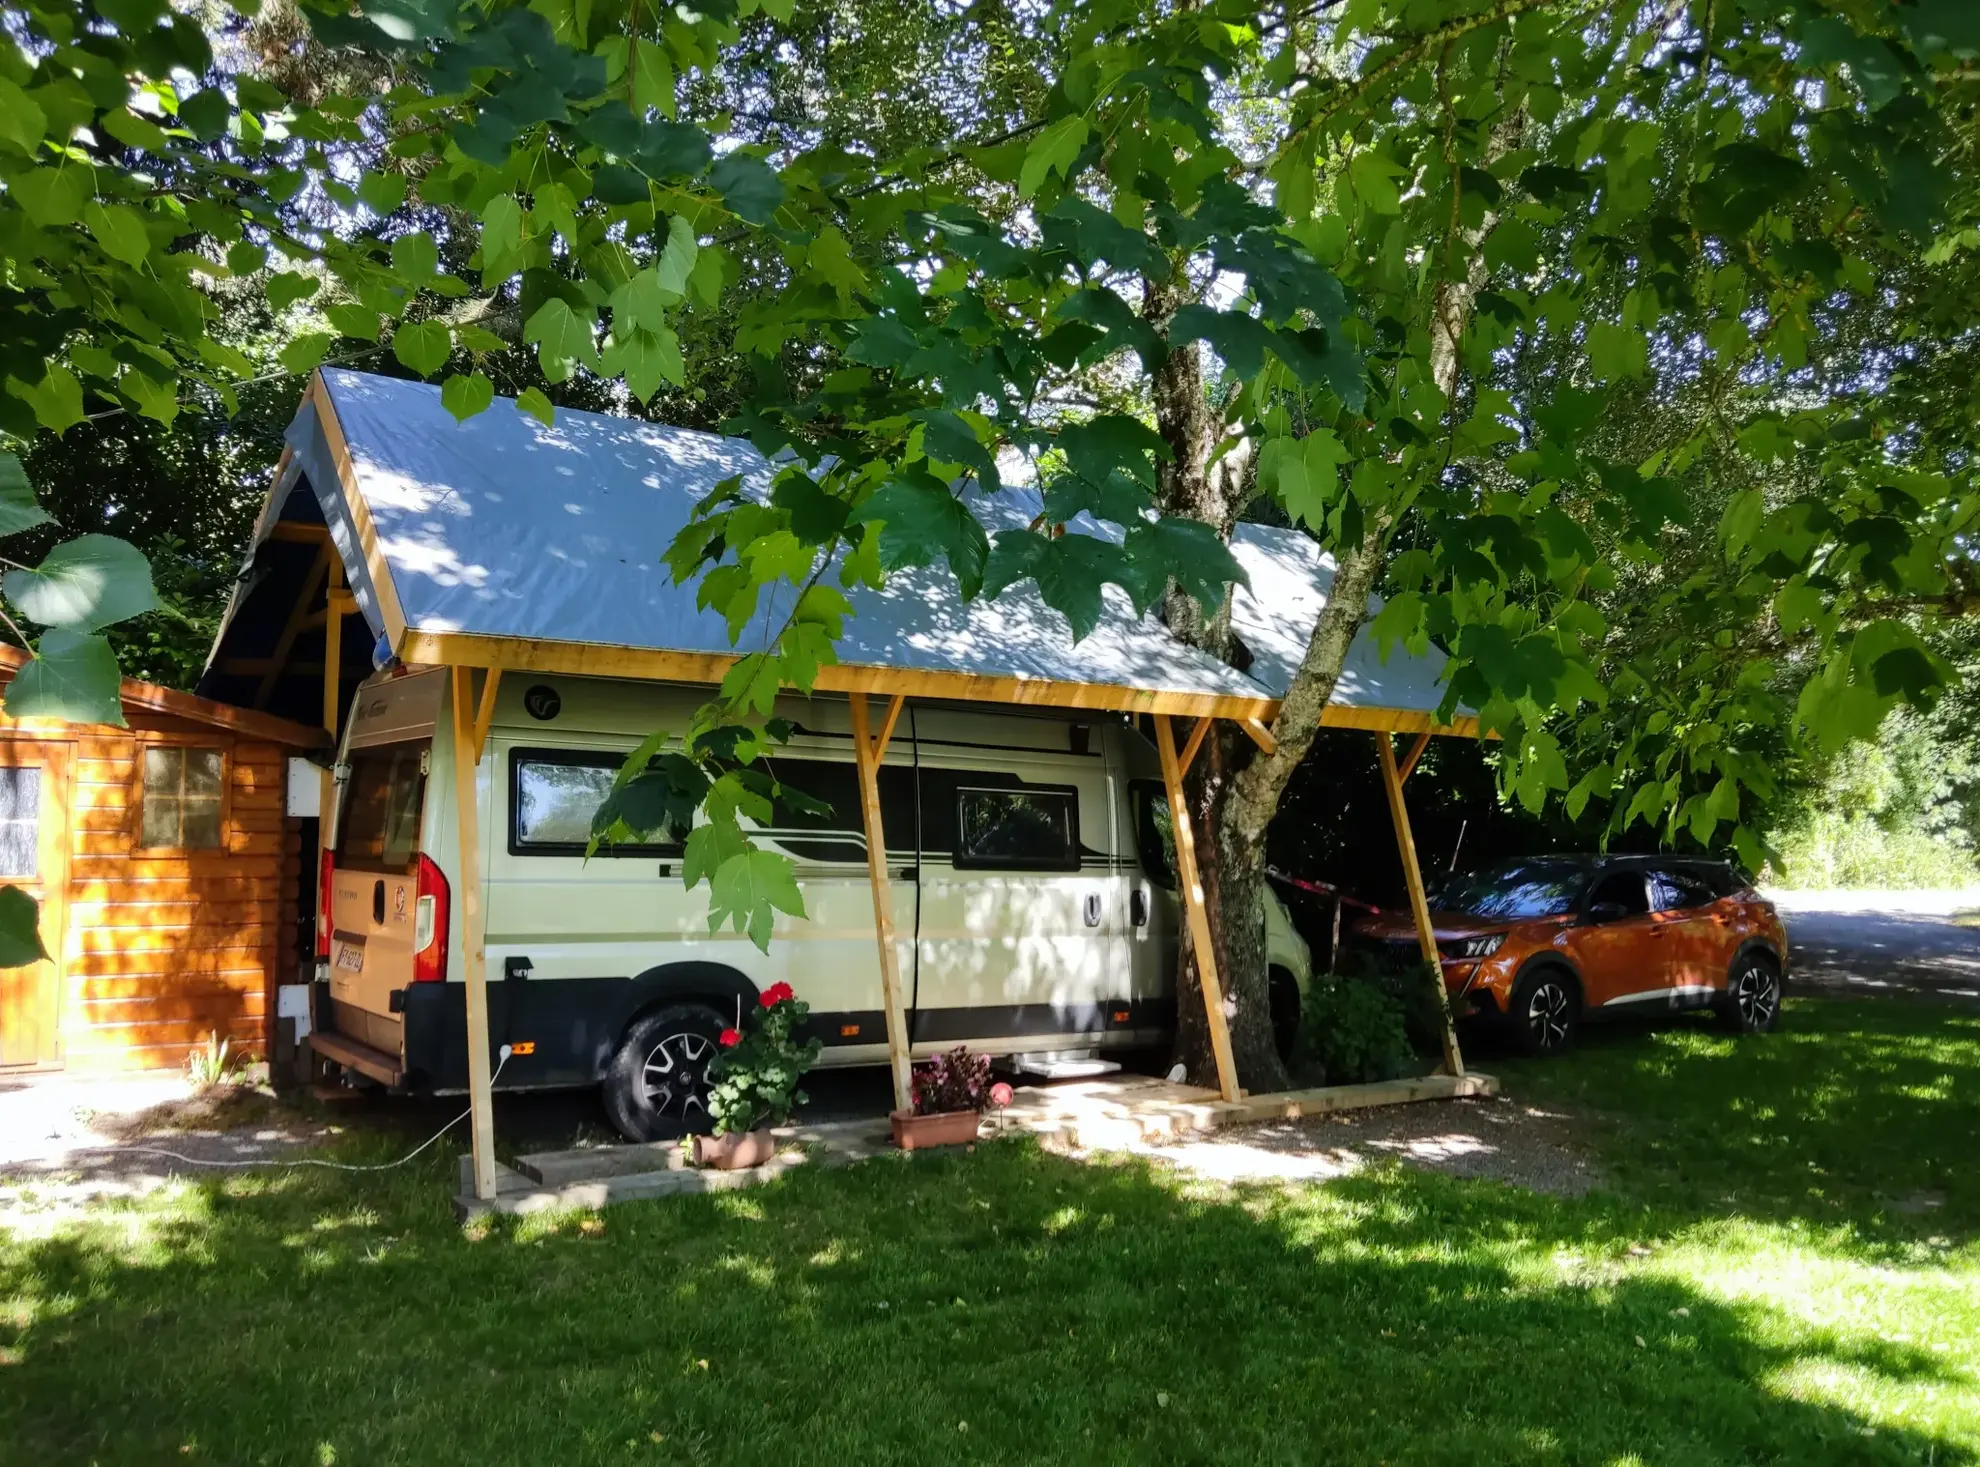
x=169, y=873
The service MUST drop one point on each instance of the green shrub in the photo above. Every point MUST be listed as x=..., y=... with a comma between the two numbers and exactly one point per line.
x=1355, y=1030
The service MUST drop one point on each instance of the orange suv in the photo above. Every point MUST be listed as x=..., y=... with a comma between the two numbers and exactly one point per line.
x=1541, y=942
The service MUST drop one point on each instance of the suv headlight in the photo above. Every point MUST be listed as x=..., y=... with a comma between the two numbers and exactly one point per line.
x=1476, y=947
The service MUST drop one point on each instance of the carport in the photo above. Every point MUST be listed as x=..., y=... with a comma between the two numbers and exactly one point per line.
x=503, y=545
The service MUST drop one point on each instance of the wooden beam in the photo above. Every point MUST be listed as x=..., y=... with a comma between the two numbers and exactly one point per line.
x=299, y=617
x=484, y=715
x=886, y=735
x=1191, y=887
x=581, y=659
x=474, y=965
x=1195, y=742
x=866, y=752
x=301, y=534
x=383, y=589
x=1419, y=903
x=1260, y=734
x=1415, y=753
x=333, y=653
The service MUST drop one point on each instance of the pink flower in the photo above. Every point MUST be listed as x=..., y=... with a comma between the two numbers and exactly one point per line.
x=729, y=1038
x=775, y=994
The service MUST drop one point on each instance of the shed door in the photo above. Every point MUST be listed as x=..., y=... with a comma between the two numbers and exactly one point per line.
x=34, y=855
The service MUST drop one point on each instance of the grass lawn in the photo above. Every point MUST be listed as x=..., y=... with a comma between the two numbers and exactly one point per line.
x=1785, y=1267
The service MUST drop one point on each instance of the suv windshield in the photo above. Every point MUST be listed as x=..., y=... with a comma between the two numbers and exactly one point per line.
x=1515, y=891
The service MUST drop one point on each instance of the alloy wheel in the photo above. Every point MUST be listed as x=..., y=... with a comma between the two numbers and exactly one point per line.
x=675, y=1076
x=1756, y=993
x=1548, y=1014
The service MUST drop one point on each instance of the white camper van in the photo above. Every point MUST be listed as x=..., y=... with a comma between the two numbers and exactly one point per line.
x=1033, y=901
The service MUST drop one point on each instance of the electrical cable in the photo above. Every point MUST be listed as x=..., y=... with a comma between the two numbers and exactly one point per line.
x=335, y=1166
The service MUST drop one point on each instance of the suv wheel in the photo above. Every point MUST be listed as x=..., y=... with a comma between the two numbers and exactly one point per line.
x=1545, y=1010
x=1752, y=1002
x=656, y=1088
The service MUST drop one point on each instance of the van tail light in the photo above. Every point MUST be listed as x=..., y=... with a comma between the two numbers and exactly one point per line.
x=326, y=871
x=430, y=915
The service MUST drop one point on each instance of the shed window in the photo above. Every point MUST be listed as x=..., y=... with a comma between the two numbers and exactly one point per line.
x=1022, y=829
x=20, y=821
x=182, y=790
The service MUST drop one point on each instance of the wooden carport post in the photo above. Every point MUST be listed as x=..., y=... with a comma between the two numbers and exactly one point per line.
x=1419, y=902
x=470, y=727
x=1191, y=887
x=869, y=751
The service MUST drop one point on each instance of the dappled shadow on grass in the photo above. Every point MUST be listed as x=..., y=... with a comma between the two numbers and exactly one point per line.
x=1858, y=1117
x=1005, y=1306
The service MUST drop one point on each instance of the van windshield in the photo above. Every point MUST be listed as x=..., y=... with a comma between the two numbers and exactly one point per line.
x=379, y=830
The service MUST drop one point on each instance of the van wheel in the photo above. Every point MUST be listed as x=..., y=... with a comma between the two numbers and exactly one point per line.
x=656, y=1088
x=1544, y=1010
x=1752, y=1001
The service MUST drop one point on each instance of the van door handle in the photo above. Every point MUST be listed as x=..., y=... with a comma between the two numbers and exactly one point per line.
x=1093, y=909
x=1138, y=907
x=378, y=901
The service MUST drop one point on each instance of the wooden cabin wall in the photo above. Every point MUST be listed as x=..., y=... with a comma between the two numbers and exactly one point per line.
x=164, y=948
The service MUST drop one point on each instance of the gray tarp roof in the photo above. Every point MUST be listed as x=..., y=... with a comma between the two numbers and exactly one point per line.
x=502, y=527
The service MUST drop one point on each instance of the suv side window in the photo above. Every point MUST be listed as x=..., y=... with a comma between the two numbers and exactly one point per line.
x=1679, y=887
x=1627, y=889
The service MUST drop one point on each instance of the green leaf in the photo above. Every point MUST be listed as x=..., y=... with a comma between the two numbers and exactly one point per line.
x=1373, y=176
x=18, y=508
x=501, y=238
x=57, y=399
x=645, y=359
x=1113, y=441
x=305, y=351
x=532, y=401
x=382, y=193
x=416, y=257
x=641, y=302
x=653, y=76
x=154, y=398
x=1054, y=150
x=676, y=262
x=563, y=338
x=1616, y=351
x=119, y=229
x=244, y=257
x=20, y=920
x=353, y=320
x=709, y=846
x=922, y=522
x=51, y=196
x=290, y=286
x=748, y=185
x=947, y=439
x=205, y=113
x=84, y=584
x=1071, y=571
x=466, y=396
x=749, y=889
x=423, y=346
x=73, y=677
x=1186, y=551
x=22, y=122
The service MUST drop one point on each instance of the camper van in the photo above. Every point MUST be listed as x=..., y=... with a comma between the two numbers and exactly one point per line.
x=1034, y=905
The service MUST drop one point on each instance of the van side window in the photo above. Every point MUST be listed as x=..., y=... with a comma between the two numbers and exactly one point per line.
x=554, y=793
x=379, y=830
x=1029, y=829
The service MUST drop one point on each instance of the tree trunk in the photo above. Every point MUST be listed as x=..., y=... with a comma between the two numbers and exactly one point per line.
x=1233, y=875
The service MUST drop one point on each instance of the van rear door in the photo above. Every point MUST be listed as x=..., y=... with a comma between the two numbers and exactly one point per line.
x=373, y=904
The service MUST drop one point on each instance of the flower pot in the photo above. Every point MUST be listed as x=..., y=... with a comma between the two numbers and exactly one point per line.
x=736, y=1150
x=949, y=1128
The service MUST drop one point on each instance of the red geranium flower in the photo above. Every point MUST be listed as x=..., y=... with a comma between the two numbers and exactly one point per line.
x=775, y=994
x=729, y=1038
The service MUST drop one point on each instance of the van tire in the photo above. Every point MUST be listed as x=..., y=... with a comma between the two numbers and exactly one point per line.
x=656, y=1088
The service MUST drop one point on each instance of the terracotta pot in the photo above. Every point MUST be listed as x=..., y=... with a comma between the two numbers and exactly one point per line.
x=949, y=1128
x=736, y=1150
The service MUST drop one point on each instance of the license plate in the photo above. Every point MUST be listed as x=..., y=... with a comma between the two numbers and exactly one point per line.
x=350, y=957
